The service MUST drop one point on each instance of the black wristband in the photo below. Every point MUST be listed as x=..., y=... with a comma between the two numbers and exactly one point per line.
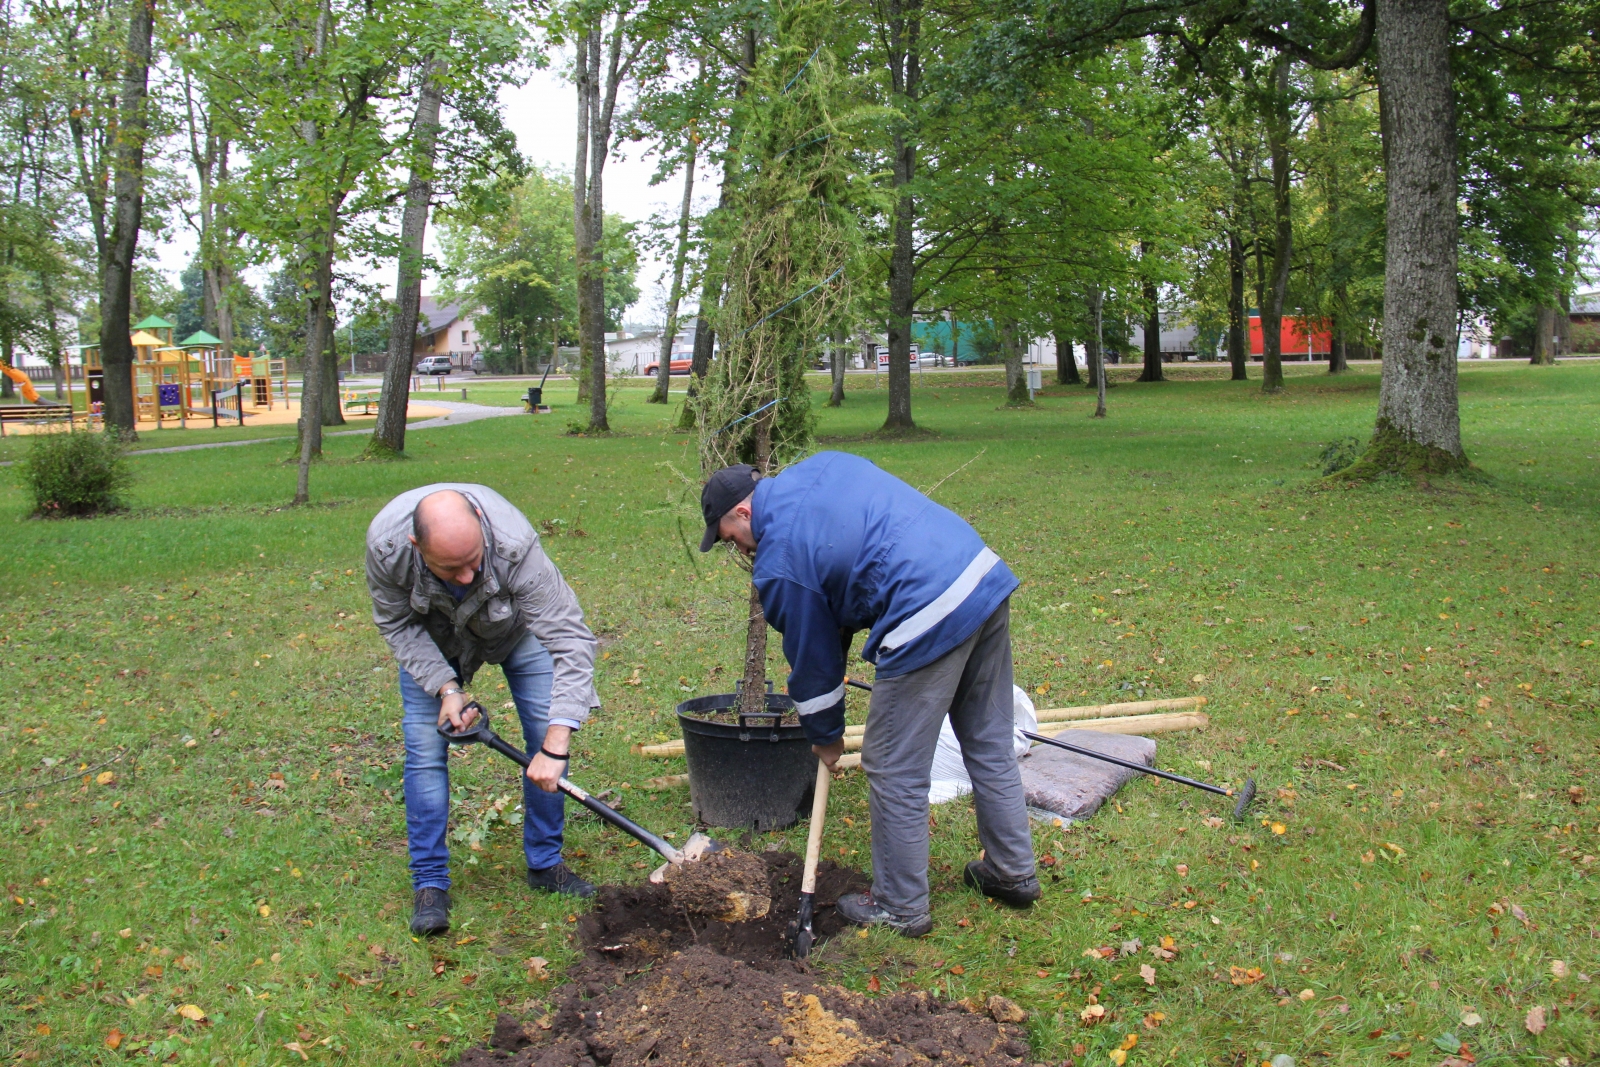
x=565, y=758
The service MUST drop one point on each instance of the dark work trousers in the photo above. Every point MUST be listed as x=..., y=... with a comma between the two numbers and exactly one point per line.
x=972, y=685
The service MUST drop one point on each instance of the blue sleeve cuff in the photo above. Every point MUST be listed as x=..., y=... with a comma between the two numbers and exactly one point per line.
x=574, y=724
x=826, y=726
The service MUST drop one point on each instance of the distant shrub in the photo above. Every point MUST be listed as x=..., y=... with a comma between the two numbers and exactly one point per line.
x=1337, y=455
x=76, y=473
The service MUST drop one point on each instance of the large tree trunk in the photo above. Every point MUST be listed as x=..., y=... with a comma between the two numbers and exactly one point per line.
x=1277, y=123
x=1152, y=327
x=1418, y=428
x=905, y=74
x=679, y=258
x=1097, y=352
x=1066, y=360
x=593, y=288
x=1238, y=334
x=116, y=269
x=389, y=435
x=1094, y=363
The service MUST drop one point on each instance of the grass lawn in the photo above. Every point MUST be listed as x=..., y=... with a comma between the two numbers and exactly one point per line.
x=1410, y=674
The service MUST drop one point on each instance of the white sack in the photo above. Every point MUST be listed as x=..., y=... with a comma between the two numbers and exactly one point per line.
x=950, y=772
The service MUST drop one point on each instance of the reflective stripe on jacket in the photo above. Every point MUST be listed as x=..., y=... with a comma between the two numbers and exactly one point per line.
x=842, y=546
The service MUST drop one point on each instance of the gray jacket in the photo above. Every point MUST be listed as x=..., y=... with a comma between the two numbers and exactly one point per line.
x=518, y=592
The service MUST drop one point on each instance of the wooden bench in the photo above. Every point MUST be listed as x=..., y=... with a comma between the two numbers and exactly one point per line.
x=35, y=413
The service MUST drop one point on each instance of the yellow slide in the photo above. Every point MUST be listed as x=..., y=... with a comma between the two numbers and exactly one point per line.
x=29, y=393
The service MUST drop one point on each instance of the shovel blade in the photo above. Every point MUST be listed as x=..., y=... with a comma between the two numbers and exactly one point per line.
x=697, y=847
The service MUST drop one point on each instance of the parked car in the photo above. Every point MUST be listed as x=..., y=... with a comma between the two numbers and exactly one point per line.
x=918, y=359
x=478, y=366
x=677, y=366
x=435, y=365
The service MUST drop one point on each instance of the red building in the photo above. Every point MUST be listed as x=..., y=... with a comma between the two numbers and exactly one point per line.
x=1293, y=338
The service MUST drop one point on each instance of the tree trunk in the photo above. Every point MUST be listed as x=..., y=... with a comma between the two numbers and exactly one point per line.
x=1544, y=336
x=1152, y=327
x=679, y=258
x=389, y=435
x=312, y=375
x=905, y=74
x=1238, y=334
x=586, y=62
x=1066, y=360
x=600, y=116
x=837, y=354
x=332, y=409
x=1016, y=374
x=1097, y=354
x=1339, y=349
x=1094, y=359
x=116, y=269
x=1278, y=128
x=1418, y=429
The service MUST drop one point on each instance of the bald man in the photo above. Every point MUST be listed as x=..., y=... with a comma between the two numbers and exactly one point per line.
x=458, y=580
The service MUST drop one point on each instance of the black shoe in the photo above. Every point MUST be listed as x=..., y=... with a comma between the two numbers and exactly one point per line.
x=1017, y=892
x=430, y=912
x=560, y=879
x=861, y=909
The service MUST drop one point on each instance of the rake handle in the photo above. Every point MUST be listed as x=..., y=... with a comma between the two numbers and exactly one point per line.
x=1129, y=764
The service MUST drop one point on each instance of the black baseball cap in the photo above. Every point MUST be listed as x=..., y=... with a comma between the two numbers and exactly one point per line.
x=723, y=490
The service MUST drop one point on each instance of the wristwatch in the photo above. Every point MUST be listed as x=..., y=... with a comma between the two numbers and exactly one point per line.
x=449, y=690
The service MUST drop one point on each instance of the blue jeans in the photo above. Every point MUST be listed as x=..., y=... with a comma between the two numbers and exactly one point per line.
x=528, y=673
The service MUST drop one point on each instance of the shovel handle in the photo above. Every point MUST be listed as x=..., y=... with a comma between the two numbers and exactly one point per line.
x=819, y=811
x=480, y=732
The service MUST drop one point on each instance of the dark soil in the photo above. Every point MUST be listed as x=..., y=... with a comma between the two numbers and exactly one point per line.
x=729, y=886
x=657, y=987
x=731, y=718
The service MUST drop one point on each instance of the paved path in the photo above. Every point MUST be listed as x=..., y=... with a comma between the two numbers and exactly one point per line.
x=460, y=414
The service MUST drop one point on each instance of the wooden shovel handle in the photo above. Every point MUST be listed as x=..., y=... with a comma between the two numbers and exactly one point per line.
x=819, y=810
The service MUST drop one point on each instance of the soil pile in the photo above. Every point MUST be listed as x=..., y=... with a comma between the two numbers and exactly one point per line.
x=729, y=886
x=657, y=987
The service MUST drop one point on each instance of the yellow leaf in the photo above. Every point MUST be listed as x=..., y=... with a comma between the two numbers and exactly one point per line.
x=193, y=1012
x=1396, y=849
x=1092, y=1013
x=1245, y=976
x=1306, y=994
x=1128, y=1042
x=1279, y=828
x=104, y=778
x=1118, y=1056
x=264, y=910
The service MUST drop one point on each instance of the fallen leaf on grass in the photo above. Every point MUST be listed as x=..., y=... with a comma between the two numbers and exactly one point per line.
x=1213, y=822
x=193, y=1012
x=294, y=1046
x=1243, y=976
x=1558, y=968
x=958, y=970
x=1400, y=1054
x=1306, y=994
x=1118, y=1056
x=1128, y=1042
x=1148, y=973
x=873, y=984
x=114, y=1039
x=1279, y=828
x=1092, y=1014
x=1535, y=1023
x=1521, y=916
x=1471, y=1018
x=105, y=778
x=1154, y=1020
x=536, y=968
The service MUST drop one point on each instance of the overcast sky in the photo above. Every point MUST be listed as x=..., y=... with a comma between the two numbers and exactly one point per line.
x=542, y=113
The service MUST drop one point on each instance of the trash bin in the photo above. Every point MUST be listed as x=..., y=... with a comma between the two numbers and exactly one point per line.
x=534, y=398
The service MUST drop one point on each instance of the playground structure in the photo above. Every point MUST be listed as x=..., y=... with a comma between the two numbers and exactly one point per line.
x=24, y=384
x=189, y=379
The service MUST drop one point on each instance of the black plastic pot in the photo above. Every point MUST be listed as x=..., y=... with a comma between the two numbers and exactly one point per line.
x=754, y=775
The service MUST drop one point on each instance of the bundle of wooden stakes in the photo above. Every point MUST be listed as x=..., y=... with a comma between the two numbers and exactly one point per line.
x=1141, y=717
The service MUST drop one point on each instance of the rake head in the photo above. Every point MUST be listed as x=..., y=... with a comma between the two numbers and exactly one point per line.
x=1246, y=795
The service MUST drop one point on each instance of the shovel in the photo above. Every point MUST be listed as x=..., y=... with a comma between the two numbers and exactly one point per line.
x=801, y=936
x=698, y=845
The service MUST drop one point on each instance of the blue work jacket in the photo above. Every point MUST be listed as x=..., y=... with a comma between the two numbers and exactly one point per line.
x=842, y=546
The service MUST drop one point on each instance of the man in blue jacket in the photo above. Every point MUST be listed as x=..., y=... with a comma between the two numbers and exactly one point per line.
x=841, y=546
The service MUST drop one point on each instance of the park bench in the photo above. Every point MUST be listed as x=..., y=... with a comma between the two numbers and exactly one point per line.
x=35, y=414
